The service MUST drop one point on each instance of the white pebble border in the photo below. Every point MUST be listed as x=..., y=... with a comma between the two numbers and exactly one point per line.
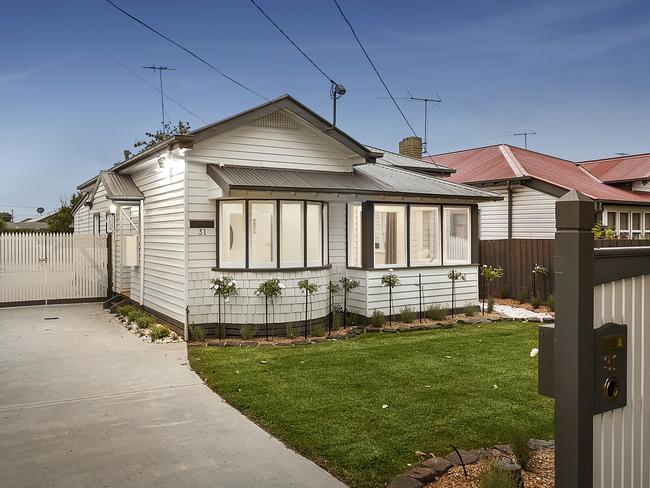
x=520, y=313
x=144, y=333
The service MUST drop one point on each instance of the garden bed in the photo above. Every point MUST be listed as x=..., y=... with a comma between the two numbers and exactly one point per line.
x=510, y=302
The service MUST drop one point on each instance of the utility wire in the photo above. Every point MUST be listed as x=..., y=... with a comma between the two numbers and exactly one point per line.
x=117, y=61
x=338, y=6
x=191, y=53
x=292, y=42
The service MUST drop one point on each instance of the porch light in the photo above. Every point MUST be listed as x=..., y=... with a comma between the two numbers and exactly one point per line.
x=112, y=208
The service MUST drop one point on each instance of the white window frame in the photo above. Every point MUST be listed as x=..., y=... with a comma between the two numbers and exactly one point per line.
x=438, y=241
x=325, y=222
x=319, y=213
x=445, y=233
x=274, y=236
x=301, y=230
x=646, y=225
x=354, y=261
x=222, y=237
x=636, y=233
x=404, y=237
x=620, y=230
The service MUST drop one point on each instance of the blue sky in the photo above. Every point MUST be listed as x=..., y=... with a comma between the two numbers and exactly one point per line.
x=576, y=72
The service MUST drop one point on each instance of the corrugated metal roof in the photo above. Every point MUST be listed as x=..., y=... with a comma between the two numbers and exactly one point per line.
x=365, y=179
x=394, y=159
x=120, y=186
x=617, y=170
x=491, y=164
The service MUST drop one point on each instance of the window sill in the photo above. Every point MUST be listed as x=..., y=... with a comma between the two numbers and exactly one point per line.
x=277, y=270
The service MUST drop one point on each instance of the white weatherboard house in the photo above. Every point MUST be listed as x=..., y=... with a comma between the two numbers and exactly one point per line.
x=276, y=191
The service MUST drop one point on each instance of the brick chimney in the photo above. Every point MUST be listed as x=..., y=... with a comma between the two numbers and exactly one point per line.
x=411, y=146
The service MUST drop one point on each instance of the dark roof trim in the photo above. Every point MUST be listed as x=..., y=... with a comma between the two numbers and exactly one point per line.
x=544, y=187
x=80, y=203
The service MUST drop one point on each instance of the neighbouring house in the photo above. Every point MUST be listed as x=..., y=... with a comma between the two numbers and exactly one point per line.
x=531, y=182
x=276, y=191
x=32, y=224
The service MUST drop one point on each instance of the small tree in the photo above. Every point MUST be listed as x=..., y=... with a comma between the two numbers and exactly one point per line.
x=223, y=287
x=454, y=276
x=489, y=274
x=390, y=280
x=269, y=289
x=334, y=289
x=538, y=271
x=3, y=225
x=603, y=232
x=348, y=284
x=153, y=138
x=308, y=288
x=63, y=220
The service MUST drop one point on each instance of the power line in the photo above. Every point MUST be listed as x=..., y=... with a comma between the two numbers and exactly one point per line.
x=191, y=53
x=117, y=61
x=338, y=6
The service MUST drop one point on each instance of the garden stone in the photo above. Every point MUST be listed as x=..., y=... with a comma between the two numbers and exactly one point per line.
x=548, y=320
x=318, y=339
x=301, y=342
x=515, y=471
x=373, y=329
x=213, y=343
x=484, y=453
x=438, y=464
x=423, y=475
x=232, y=344
x=248, y=344
x=403, y=329
x=390, y=331
x=504, y=448
x=403, y=481
x=540, y=444
x=468, y=457
x=268, y=344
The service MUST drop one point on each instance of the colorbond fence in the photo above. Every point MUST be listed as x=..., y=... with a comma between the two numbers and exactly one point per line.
x=44, y=268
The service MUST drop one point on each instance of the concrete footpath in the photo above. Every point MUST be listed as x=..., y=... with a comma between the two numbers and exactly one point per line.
x=85, y=403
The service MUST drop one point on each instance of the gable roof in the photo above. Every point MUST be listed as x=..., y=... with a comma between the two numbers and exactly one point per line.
x=369, y=179
x=504, y=162
x=621, y=169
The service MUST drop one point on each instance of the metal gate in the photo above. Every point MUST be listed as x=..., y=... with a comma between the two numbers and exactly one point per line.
x=595, y=362
x=53, y=268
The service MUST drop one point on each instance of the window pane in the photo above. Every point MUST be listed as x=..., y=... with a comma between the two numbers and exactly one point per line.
x=611, y=220
x=232, y=235
x=624, y=219
x=390, y=235
x=291, y=240
x=354, y=235
x=425, y=235
x=647, y=221
x=314, y=238
x=326, y=255
x=457, y=235
x=262, y=234
x=636, y=221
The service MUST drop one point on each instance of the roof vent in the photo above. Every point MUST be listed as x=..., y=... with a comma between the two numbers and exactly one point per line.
x=411, y=147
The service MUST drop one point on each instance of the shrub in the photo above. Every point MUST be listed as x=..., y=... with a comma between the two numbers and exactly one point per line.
x=354, y=319
x=290, y=331
x=407, y=315
x=496, y=476
x=378, y=318
x=469, y=311
x=247, y=332
x=522, y=296
x=144, y=320
x=434, y=312
x=197, y=333
x=550, y=303
x=490, y=304
x=159, y=331
x=504, y=292
x=318, y=331
x=521, y=448
x=536, y=301
x=129, y=311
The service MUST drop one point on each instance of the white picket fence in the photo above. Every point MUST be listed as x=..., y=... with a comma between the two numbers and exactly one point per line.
x=44, y=267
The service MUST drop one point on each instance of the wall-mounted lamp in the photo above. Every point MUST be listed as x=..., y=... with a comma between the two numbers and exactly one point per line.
x=112, y=208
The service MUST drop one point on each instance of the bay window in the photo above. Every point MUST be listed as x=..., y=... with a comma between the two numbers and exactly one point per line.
x=425, y=235
x=390, y=235
x=636, y=225
x=354, y=235
x=232, y=233
x=457, y=236
x=263, y=234
x=262, y=238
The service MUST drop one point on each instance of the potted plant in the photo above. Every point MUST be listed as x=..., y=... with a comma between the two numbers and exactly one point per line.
x=348, y=284
x=390, y=280
x=308, y=288
x=489, y=274
x=269, y=289
x=223, y=287
x=454, y=276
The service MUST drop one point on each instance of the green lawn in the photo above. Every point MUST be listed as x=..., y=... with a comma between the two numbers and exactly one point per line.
x=326, y=400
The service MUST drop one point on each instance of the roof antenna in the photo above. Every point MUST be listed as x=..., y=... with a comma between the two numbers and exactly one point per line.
x=426, y=101
x=336, y=91
x=525, y=134
x=160, y=69
x=621, y=154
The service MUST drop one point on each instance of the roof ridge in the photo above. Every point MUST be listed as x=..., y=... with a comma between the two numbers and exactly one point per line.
x=512, y=161
x=602, y=160
x=461, y=150
x=589, y=173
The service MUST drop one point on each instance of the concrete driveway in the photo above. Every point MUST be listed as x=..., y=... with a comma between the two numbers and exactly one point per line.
x=84, y=403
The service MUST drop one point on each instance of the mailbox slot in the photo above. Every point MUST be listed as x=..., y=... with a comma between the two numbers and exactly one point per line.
x=610, y=367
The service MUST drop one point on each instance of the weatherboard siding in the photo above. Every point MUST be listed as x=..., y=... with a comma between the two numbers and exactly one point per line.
x=533, y=214
x=83, y=223
x=494, y=216
x=300, y=147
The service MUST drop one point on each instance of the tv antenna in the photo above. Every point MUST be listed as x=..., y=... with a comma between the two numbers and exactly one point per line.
x=622, y=154
x=160, y=70
x=525, y=134
x=426, y=102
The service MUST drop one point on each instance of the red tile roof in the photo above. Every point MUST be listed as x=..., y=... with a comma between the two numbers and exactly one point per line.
x=624, y=168
x=505, y=162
